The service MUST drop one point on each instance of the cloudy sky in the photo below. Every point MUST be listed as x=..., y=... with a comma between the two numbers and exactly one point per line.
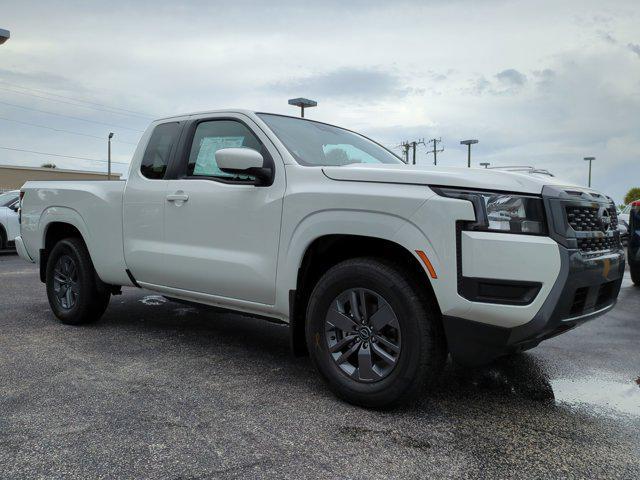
x=538, y=83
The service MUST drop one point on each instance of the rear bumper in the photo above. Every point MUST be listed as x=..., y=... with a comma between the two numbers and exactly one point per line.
x=22, y=251
x=586, y=287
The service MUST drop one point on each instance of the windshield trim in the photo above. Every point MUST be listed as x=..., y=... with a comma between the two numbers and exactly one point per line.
x=259, y=114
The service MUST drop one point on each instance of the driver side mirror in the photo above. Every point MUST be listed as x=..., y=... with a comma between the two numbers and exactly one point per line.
x=244, y=161
x=15, y=206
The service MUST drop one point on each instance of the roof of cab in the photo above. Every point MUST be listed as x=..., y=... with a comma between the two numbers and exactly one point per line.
x=205, y=112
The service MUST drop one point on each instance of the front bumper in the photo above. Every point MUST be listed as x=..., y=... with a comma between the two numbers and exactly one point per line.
x=586, y=288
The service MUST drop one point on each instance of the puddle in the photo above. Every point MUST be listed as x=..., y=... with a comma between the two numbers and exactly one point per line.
x=153, y=300
x=605, y=396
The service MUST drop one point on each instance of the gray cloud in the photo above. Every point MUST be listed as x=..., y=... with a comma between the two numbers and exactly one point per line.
x=512, y=77
x=635, y=48
x=350, y=82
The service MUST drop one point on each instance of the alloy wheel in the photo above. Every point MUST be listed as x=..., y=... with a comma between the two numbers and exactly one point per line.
x=65, y=282
x=363, y=335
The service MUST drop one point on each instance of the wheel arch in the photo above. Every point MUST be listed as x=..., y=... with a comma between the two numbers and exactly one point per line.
x=55, y=230
x=328, y=250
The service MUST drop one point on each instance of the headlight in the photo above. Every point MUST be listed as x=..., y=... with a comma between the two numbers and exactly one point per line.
x=503, y=212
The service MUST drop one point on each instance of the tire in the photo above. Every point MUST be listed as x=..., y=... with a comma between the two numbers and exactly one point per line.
x=75, y=293
x=398, y=315
x=3, y=239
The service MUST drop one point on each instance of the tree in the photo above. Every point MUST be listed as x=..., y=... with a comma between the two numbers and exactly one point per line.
x=633, y=194
x=48, y=165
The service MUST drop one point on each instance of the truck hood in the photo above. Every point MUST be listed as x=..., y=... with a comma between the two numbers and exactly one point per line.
x=477, y=178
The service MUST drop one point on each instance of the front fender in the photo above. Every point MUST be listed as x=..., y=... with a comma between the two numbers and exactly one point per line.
x=318, y=224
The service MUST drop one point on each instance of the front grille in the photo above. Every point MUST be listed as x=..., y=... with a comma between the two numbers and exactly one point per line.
x=583, y=219
x=598, y=244
x=593, y=233
x=614, y=217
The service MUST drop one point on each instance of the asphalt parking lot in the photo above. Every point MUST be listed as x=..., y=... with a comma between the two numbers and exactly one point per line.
x=161, y=390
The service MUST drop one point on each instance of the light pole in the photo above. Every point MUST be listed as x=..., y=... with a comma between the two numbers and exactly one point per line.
x=109, y=156
x=4, y=35
x=303, y=103
x=468, y=143
x=485, y=164
x=589, y=159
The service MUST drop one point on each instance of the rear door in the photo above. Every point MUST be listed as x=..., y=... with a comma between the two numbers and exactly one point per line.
x=222, y=232
x=144, y=203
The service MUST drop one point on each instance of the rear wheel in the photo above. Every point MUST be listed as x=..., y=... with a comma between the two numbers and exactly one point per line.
x=372, y=335
x=3, y=239
x=75, y=293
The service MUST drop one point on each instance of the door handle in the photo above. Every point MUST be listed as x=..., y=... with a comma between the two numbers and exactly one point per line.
x=177, y=197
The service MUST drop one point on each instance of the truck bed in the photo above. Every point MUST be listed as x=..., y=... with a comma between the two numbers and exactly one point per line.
x=93, y=207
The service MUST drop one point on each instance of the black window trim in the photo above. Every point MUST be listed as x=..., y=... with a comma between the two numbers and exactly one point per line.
x=178, y=168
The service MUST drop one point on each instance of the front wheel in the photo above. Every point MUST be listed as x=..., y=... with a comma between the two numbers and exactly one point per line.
x=373, y=335
x=73, y=288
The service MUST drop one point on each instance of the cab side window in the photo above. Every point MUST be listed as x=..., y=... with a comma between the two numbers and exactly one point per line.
x=158, y=153
x=211, y=136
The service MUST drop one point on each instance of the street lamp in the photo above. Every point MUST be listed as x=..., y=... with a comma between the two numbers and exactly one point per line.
x=485, y=164
x=468, y=143
x=303, y=103
x=589, y=159
x=109, y=156
x=4, y=35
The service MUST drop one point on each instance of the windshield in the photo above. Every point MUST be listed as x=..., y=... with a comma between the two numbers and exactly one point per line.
x=318, y=144
x=8, y=198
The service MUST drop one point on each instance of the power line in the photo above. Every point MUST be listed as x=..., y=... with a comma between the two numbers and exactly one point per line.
x=71, y=117
x=59, y=155
x=61, y=130
x=74, y=104
x=145, y=115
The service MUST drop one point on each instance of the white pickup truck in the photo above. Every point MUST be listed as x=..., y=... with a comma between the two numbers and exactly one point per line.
x=380, y=269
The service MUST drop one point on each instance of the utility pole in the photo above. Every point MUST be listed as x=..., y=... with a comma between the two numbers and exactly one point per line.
x=589, y=159
x=405, y=150
x=109, y=156
x=407, y=146
x=435, y=151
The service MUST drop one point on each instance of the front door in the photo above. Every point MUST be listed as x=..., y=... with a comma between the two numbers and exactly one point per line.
x=221, y=231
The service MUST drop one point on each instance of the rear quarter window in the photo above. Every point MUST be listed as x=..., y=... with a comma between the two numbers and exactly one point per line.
x=159, y=149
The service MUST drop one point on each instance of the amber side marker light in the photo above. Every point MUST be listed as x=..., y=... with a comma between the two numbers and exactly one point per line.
x=427, y=263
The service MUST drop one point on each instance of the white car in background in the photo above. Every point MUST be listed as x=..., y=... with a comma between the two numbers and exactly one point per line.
x=9, y=225
x=623, y=215
x=623, y=223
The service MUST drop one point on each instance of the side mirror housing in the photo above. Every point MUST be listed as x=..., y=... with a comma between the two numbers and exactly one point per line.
x=244, y=161
x=15, y=207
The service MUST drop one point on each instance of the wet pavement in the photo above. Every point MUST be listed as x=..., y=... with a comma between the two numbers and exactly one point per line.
x=158, y=389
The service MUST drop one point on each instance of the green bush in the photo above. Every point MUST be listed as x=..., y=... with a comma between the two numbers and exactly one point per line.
x=633, y=194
